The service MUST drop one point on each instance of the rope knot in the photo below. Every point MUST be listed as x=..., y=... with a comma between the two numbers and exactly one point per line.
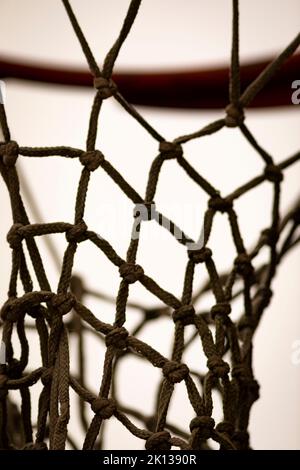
x=240, y=372
x=220, y=310
x=218, y=203
x=203, y=425
x=273, y=173
x=253, y=389
x=77, y=233
x=296, y=216
x=63, y=302
x=169, y=150
x=11, y=309
x=159, y=441
x=14, y=236
x=117, y=338
x=234, y=115
x=3, y=386
x=106, y=87
x=103, y=407
x=245, y=378
x=243, y=265
x=16, y=306
x=46, y=376
x=185, y=314
x=247, y=322
x=77, y=286
x=10, y=152
x=175, y=372
x=35, y=446
x=269, y=236
x=131, y=272
x=145, y=211
x=91, y=159
x=15, y=369
x=225, y=427
x=200, y=256
x=217, y=366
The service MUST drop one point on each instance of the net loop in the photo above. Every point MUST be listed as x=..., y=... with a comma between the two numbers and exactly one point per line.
x=92, y=159
x=106, y=87
x=217, y=366
x=159, y=441
x=185, y=315
x=218, y=203
x=200, y=256
x=117, y=338
x=131, y=272
x=273, y=173
x=63, y=302
x=77, y=233
x=14, y=237
x=169, y=150
x=9, y=151
x=234, y=115
x=175, y=372
x=103, y=407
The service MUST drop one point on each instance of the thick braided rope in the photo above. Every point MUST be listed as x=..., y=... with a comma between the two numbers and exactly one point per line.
x=233, y=378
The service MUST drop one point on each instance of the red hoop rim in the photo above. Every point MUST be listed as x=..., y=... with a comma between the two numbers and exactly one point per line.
x=186, y=89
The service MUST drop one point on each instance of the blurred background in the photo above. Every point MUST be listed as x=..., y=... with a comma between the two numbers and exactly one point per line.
x=168, y=35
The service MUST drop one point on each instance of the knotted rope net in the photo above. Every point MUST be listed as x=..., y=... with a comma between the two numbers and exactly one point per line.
x=227, y=344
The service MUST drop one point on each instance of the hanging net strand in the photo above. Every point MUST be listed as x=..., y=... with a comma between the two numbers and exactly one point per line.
x=227, y=344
